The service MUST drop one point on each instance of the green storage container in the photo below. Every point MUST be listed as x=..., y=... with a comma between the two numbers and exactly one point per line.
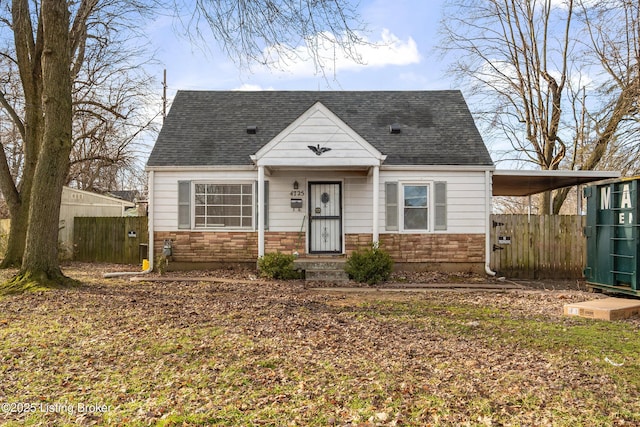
x=613, y=250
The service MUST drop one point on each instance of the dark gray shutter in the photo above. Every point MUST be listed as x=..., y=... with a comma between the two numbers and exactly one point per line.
x=440, y=194
x=184, y=204
x=266, y=204
x=391, y=205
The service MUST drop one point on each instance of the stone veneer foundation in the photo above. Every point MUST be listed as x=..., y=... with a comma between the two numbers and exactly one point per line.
x=405, y=249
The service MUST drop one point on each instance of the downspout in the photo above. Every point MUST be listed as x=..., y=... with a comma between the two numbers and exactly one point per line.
x=487, y=231
x=376, y=206
x=261, y=213
x=150, y=228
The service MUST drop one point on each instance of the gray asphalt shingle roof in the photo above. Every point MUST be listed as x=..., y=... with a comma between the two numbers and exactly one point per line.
x=205, y=128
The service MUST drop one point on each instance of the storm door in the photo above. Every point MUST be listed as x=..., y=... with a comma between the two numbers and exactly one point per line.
x=325, y=217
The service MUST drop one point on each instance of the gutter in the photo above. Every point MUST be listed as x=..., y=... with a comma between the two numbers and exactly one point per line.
x=150, y=230
x=487, y=231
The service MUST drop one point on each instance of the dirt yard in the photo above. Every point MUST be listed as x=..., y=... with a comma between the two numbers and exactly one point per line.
x=244, y=351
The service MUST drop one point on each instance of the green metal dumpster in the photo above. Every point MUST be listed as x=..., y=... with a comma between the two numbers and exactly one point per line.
x=613, y=243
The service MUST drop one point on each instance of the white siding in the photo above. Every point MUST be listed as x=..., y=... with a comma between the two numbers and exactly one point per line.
x=465, y=197
x=318, y=127
x=358, y=208
x=165, y=192
x=281, y=216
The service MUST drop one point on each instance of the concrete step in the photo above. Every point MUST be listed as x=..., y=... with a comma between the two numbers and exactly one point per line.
x=328, y=269
x=326, y=276
x=321, y=265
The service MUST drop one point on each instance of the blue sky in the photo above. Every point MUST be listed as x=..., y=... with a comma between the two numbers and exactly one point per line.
x=405, y=30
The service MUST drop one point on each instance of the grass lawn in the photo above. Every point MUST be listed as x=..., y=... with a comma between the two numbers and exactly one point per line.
x=114, y=352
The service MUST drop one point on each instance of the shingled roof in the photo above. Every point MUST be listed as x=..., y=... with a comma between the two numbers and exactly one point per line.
x=208, y=128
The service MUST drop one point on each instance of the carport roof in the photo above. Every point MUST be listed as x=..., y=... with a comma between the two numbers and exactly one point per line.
x=528, y=182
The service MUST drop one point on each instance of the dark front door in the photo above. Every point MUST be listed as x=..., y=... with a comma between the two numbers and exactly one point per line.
x=325, y=217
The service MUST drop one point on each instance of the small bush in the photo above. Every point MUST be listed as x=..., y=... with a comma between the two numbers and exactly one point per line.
x=369, y=266
x=276, y=265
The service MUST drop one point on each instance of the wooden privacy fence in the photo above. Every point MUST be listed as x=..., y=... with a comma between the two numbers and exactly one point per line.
x=538, y=246
x=119, y=240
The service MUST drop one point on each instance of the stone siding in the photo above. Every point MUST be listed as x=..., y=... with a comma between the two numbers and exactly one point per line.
x=191, y=246
x=425, y=248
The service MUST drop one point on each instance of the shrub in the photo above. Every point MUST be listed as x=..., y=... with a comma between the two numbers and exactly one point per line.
x=369, y=266
x=276, y=265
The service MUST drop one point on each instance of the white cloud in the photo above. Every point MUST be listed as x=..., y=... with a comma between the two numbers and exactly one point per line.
x=251, y=87
x=388, y=50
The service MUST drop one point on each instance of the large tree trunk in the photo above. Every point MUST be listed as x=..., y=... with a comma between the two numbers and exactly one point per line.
x=16, y=238
x=40, y=262
x=28, y=54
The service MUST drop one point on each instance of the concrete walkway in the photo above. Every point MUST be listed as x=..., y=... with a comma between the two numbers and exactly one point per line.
x=426, y=287
x=403, y=287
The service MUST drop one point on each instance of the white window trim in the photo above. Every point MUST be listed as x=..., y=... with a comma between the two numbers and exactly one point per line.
x=430, y=207
x=222, y=182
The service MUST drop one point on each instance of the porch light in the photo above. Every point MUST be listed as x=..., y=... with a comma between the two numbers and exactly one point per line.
x=394, y=128
x=295, y=185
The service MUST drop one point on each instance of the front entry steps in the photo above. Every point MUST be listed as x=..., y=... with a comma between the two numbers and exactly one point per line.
x=323, y=269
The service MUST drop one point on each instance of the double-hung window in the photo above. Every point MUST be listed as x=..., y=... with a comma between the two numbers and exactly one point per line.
x=415, y=207
x=223, y=205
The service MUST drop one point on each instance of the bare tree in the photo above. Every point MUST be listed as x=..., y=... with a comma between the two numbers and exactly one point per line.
x=21, y=94
x=545, y=75
x=607, y=134
x=111, y=95
x=268, y=32
x=111, y=113
x=50, y=41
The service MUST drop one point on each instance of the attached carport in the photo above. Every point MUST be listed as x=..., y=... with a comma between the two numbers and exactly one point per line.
x=525, y=183
x=518, y=257
x=508, y=182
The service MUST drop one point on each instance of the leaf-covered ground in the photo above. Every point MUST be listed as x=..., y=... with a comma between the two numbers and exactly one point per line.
x=251, y=352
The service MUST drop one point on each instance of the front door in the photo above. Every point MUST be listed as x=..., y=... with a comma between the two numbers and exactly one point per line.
x=325, y=217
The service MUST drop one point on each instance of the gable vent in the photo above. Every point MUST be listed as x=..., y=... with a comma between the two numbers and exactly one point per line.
x=252, y=129
x=394, y=128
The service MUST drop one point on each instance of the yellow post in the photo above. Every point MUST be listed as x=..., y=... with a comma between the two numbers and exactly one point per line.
x=145, y=264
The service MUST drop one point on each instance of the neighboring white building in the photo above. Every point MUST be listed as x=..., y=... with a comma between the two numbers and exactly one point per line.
x=80, y=203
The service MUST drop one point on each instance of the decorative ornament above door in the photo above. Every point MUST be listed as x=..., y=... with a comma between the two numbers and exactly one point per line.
x=318, y=150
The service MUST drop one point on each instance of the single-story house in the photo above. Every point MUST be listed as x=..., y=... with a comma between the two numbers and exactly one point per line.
x=339, y=171
x=234, y=175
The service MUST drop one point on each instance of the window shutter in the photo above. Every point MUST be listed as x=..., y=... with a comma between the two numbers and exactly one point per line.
x=440, y=192
x=391, y=206
x=266, y=204
x=184, y=204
